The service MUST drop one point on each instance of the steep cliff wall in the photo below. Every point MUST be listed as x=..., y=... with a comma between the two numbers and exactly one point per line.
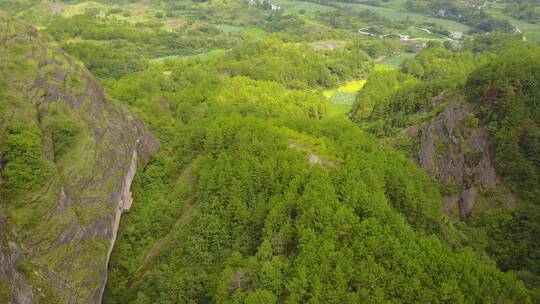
x=123, y=206
x=456, y=151
x=68, y=155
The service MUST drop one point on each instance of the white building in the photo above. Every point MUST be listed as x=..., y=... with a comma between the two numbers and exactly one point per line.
x=404, y=38
x=456, y=35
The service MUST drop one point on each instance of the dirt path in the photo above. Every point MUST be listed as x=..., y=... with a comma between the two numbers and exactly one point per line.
x=186, y=214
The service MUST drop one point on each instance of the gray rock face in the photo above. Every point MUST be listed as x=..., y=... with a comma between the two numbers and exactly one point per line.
x=454, y=149
x=56, y=237
x=22, y=292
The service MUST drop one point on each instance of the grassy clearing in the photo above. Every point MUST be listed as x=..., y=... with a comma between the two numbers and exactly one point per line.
x=253, y=32
x=248, y=31
x=342, y=98
x=329, y=93
x=339, y=110
x=295, y=6
x=394, y=61
x=207, y=55
x=381, y=67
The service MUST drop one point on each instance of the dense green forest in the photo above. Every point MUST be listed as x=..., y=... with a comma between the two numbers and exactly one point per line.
x=280, y=176
x=267, y=187
x=499, y=78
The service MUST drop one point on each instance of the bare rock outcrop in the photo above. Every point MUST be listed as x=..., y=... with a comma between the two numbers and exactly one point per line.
x=454, y=149
x=56, y=234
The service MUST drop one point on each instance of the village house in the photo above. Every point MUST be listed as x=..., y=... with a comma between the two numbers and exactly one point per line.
x=272, y=6
x=404, y=38
x=456, y=35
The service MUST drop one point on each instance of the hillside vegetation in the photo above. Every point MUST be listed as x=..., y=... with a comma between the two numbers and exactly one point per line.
x=257, y=197
x=489, y=88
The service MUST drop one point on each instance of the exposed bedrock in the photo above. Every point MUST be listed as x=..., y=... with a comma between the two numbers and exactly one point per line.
x=454, y=149
x=56, y=236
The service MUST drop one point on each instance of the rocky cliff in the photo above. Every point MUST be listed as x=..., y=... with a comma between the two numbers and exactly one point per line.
x=68, y=155
x=456, y=151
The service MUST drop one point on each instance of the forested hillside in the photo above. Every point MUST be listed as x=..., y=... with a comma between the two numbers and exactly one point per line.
x=309, y=152
x=470, y=118
x=257, y=197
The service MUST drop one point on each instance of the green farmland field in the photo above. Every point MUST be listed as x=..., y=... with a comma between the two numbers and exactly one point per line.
x=530, y=31
x=395, y=60
x=393, y=10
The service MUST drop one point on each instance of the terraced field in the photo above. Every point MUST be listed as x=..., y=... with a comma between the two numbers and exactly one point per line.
x=393, y=10
x=342, y=98
x=530, y=31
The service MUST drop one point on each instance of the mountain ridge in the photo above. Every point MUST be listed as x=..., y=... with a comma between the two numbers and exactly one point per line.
x=68, y=157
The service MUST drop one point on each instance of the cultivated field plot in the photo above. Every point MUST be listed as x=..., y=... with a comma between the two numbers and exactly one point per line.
x=396, y=60
x=393, y=10
x=530, y=31
x=395, y=13
x=207, y=55
x=342, y=98
x=248, y=31
x=339, y=110
x=296, y=6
